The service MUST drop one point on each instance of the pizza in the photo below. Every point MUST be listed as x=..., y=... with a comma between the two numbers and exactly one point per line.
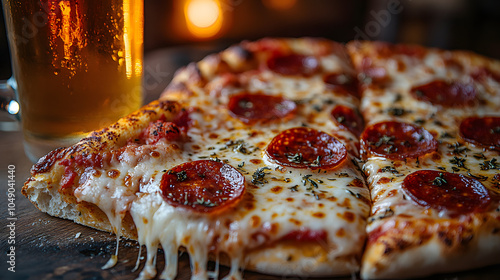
x=301, y=157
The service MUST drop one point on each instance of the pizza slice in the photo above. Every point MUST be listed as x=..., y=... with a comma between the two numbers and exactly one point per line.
x=248, y=158
x=431, y=148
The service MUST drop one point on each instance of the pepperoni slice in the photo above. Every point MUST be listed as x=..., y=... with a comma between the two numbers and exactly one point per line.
x=375, y=74
x=452, y=192
x=388, y=50
x=252, y=108
x=482, y=73
x=445, y=94
x=204, y=186
x=397, y=140
x=293, y=64
x=306, y=235
x=348, y=118
x=158, y=130
x=303, y=147
x=343, y=83
x=484, y=131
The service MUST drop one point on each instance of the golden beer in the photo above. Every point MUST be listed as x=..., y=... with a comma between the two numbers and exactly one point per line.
x=77, y=63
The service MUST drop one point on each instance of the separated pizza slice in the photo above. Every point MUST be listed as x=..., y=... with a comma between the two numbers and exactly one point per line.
x=429, y=148
x=249, y=158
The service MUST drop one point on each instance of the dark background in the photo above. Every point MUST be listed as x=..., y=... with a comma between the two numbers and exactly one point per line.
x=450, y=24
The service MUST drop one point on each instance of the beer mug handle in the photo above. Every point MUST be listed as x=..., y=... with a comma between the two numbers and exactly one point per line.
x=8, y=103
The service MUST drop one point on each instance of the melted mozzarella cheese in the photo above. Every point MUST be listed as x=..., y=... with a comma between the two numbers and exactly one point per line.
x=282, y=201
x=386, y=176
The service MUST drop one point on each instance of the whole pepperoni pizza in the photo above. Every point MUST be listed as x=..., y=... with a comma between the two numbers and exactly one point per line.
x=299, y=157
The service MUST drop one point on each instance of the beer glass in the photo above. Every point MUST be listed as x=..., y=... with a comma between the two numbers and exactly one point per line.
x=76, y=64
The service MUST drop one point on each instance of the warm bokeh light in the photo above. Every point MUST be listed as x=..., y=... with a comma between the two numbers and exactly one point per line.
x=279, y=4
x=203, y=17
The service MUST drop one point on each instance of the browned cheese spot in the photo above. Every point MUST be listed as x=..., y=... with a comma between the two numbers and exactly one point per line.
x=254, y=221
x=155, y=154
x=348, y=216
x=436, y=157
x=277, y=189
x=213, y=135
x=332, y=198
x=356, y=183
x=384, y=180
x=256, y=161
x=401, y=66
x=196, y=147
x=261, y=145
x=113, y=173
x=274, y=228
x=346, y=203
x=319, y=215
x=392, y=193
x=296, y=222
x=379, y=195
x=249, y=205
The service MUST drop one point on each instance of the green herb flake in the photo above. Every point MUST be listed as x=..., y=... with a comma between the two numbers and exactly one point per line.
x=495, y=130
x=439, y=180
x=458, y=161
x=445, y=135
x=307, y=179
x=389, y=169
x=490, y=164
x=181, y=176
x=384, y=140
x=356, y=195
x=479, y=156
x=259, y=174
x=419, y=121
x=396, y=111
x=316, y=161
x=458, y=148
x=295, y=158
x=478, y=177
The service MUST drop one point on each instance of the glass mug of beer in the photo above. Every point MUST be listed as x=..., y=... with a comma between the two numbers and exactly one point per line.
x=77, y=66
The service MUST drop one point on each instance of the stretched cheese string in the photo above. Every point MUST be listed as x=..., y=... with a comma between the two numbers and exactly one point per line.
x=114, y=258
x=171, y=262
x=215, y=274
x=234, y=273
x=149, y=270
x=138, y=261
x=116, y=223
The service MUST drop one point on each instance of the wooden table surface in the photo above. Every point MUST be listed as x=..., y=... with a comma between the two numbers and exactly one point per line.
x=52, y=248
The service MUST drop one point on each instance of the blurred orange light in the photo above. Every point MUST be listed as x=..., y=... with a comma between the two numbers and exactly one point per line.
x=203, y=17
x=280, y=4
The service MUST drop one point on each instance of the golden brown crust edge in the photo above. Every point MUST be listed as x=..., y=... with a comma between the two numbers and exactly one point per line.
x=43, y=187
x=436, y=246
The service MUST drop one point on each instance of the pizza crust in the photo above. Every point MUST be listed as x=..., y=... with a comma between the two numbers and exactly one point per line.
x=43, y=188
x=300, y=259
x=417, y=248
